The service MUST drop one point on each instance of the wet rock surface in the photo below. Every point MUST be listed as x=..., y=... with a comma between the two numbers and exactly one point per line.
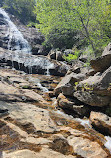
x=36, y=128
x=33, y=64
x=31, y=34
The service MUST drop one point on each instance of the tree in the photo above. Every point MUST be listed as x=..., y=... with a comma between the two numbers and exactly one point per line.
x=55, y=23
x=87, y=18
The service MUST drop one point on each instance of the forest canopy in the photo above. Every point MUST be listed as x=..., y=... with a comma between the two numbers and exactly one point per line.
x=78, y=22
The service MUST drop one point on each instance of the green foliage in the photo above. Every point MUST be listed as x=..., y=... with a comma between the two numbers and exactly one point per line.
x=87, y=64
x=66, y=23
x=88, y=20
x=31, y=24
x=72, y=57
x=55, y=23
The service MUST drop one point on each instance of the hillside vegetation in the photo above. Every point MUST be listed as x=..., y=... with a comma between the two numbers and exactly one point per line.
x=71, y=24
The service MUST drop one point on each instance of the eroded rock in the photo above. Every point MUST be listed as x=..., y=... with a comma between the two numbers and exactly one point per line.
x=86, y=148
x=101, y=122
x=66, y=86
x=29, y=117
x=44, y=153
x=72, y=104
x=103, y=62
x=31, y=64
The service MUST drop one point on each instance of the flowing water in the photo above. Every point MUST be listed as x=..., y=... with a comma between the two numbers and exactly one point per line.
x=21, y=50
x=16, y=39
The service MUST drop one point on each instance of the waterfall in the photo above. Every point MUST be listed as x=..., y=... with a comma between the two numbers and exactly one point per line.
x=20, y=53
x=16, y=40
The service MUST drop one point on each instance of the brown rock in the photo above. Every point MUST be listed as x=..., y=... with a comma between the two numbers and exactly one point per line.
x=63, y=102
x=86, y=148
x=100, y=64
x=74, y=105
x=61, y=145
x=44, y=153
x=101, y=122
x=103, y=62
x=66, y=86
x=29, y=117
x=92, y=98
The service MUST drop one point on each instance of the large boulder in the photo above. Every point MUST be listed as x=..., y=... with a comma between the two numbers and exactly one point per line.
x=57, y=55
x=101, y=63
x=86, y=148
x=92, y=98
x=66, y=86
x=101, y=122
x=95, y=90
x=72, y=104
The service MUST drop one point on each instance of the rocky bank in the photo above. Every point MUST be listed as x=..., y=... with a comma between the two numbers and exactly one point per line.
x=32, y=125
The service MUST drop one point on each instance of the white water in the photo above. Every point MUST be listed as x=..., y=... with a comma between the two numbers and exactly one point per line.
x=36, y=81
x=84, y=122
x=16, y=39
x=44, y=89
x=108, y=143
x=48, y=68
x=21, y=48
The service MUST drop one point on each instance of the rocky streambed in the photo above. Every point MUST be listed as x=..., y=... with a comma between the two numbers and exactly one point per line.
x=32, y=124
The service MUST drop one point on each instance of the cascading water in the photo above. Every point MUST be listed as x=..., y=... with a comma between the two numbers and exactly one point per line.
x=16, y=40
x=20, y=50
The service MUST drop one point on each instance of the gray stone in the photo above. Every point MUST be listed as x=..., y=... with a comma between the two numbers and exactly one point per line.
x=101, y=122
x=66, y=86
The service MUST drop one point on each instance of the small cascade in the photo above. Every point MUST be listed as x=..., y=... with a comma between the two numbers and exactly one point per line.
x=48, y=67
x=16, y=40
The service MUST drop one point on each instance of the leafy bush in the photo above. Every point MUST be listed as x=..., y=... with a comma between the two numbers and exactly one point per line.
x=72, y=57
